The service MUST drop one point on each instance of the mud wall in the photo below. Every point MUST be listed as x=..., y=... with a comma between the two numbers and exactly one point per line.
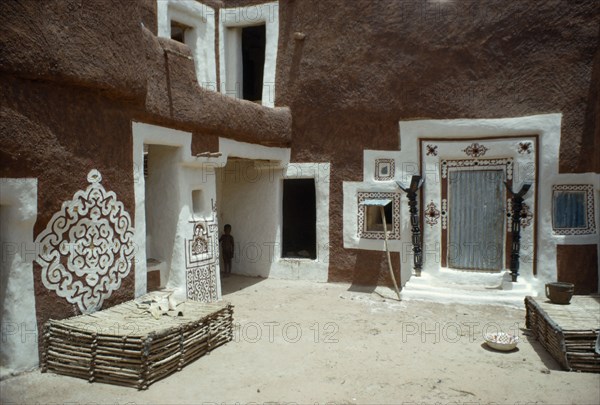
x=363, y=67
x=73, y=77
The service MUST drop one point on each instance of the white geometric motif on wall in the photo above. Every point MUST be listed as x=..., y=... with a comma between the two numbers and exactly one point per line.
x=201, y=283
x=394, y=227
x=201, y=248
x=573, y=209
x=87, y=247
x=385, y=169
x=201, y=258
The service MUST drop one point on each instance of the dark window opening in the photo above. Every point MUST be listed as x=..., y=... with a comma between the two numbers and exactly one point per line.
x=253, y=62
x=299, y=233
x=570, y=209
x=178, y=31
x=375, y=220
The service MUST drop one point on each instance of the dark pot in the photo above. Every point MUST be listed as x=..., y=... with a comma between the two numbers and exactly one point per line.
x=560, y=293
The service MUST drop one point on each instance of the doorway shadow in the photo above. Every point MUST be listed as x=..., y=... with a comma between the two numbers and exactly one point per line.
x=237, y=282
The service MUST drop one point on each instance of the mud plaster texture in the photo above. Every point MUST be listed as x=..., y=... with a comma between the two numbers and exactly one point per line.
x=578, y=264
x=59, y=146
x=361, y=69
x=73, y=76
x=331, y=345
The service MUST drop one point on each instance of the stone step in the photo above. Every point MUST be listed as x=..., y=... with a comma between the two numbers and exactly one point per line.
x=461, y=287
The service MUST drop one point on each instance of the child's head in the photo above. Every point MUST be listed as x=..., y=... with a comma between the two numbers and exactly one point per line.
x=227, y=229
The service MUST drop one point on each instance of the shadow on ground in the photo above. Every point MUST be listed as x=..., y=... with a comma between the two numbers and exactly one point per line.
x=235, y=283
x=547, y=359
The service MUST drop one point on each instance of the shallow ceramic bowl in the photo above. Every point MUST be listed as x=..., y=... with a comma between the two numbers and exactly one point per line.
x=501, y=341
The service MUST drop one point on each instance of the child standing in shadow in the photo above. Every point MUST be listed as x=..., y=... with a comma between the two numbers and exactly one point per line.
x=226, y=241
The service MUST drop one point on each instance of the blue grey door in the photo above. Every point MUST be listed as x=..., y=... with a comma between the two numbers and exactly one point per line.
x=476, y=219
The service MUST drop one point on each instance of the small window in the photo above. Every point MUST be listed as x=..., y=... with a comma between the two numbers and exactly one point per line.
x=374, y=221
x=178, y=31
x=197, y=201
x=369, y=218
x=253, y=62
x=573, y=209
x=299, y=230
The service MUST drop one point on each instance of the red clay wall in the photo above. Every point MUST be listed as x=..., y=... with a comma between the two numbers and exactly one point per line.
x=578, y=264
x=365, y=65
x=73, y=76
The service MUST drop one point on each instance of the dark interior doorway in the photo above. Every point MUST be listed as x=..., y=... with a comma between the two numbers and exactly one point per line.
x=178, y=31
x=299, y=234
x=253, y=62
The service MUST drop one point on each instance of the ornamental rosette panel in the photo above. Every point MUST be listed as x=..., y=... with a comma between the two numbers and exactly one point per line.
x=432, y=214
x=87, y=247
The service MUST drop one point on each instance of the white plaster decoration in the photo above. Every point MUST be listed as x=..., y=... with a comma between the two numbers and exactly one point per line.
x=432, y=214
x=393, y=228
x=504, y=141
x=180, y=173
x=587, y=192
x=201, y=283
x=376, y=160
x=353, y=228
x=250, y=198
x=200, y=244
x=580, y=179
x=444, y=213
x=500, y=155
x=385, y=169
x=526, y=216
x=200, y=37
x=477, y=164
x=87, y=247
x=18, y=213
x=475, y=150
x=231, y=20
x=525, y=147
x=432, y=150
x=202, y=259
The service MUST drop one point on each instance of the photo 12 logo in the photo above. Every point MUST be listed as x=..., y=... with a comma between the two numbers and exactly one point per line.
x=288, y=332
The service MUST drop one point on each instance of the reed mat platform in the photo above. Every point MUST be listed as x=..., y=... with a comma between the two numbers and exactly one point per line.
x=125, y=345
x=568, y=332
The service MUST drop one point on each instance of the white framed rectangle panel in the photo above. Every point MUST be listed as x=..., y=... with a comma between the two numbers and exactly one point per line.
x=591, y=179
x=547, y=128
x=353, y=191
x=442, y=158
x=230, y=59
x=200, y=39
x=307, y=269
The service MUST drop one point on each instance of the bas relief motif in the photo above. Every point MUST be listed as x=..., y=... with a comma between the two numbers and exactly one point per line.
x=202, y=258
x=87, y=247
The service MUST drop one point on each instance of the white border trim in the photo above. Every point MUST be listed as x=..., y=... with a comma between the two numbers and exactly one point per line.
x=201, y=39
x=548, y=129
x=19, y=344
x=230, y=47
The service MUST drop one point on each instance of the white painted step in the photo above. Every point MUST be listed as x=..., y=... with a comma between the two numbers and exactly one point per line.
x=468, y=288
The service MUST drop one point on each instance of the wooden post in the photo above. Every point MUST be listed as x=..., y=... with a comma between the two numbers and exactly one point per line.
x=387, y=251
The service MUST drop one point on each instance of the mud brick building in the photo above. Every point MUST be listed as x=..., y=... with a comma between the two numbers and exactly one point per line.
x=132, y=131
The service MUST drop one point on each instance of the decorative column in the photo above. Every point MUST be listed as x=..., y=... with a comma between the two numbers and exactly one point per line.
x=517, y=206
x=411, y=192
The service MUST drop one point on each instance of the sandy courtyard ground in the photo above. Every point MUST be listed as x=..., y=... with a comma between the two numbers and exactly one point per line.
x=309, y=343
